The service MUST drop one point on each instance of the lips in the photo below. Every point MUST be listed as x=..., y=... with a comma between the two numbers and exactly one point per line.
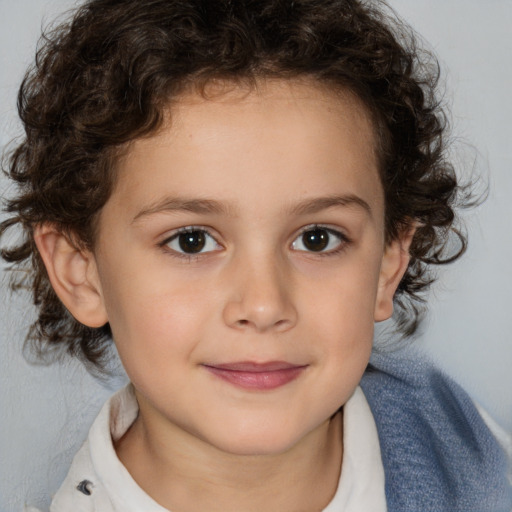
x=257, y=376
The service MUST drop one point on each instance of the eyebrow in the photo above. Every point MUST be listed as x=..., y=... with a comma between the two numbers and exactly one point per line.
x=323, y=203
x=211, y=206
x=172, y=204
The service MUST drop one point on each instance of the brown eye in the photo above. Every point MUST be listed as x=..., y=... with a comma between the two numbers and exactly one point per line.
x=315, y=240
x=319, y=239
x=192, y=242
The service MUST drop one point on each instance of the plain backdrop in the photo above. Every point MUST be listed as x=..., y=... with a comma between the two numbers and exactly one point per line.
x=46, y=411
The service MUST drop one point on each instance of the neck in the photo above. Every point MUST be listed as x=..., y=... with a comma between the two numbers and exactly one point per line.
x=188, y=474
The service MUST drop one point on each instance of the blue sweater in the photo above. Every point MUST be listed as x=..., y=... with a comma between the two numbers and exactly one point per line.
x=437, y=452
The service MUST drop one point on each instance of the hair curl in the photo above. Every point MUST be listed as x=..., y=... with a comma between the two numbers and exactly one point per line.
x=105, y=77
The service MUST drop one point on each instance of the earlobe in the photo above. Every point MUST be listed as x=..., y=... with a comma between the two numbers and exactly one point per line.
x=394, y=265
x=73, y=275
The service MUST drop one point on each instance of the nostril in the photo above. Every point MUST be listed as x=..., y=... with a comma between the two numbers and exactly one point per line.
x=260, y=312
x=243, y=323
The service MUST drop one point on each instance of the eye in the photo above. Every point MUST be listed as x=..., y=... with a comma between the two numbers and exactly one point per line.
x=191, y=241
x=319, y=239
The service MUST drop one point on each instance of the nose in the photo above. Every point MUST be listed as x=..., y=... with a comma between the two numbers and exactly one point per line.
x=261, y=296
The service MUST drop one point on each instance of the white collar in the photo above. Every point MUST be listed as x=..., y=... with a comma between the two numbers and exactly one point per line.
x=361, y=485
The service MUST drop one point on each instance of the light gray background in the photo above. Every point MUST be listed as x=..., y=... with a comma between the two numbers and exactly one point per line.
x=45, y=411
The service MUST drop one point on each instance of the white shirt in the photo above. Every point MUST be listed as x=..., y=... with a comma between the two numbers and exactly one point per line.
x=112, y=489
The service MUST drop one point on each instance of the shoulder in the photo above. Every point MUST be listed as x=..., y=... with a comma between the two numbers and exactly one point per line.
x=437, y=451
x=97, y=481
x=81, y=490
x=75, y=491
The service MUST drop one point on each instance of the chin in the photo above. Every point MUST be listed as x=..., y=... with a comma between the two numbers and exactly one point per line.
x=259, y=442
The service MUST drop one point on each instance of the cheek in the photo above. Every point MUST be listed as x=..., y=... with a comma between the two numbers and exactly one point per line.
x=343, y=297
x=155, y=322
x=342, y=320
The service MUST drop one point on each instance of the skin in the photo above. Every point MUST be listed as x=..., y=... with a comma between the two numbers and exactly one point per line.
x=252, y=170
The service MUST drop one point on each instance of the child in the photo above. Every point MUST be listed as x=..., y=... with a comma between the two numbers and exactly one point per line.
x=234, y=192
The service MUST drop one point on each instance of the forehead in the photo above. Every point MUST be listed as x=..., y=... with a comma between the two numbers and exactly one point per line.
x=274, y=104
x=232, y=141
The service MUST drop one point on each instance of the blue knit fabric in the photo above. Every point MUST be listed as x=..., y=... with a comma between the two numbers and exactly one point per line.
x=437, y=452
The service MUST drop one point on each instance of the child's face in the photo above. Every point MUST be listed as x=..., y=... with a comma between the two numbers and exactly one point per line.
x=258, y=337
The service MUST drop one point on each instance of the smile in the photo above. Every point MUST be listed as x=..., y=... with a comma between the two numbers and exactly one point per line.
x=257, y=376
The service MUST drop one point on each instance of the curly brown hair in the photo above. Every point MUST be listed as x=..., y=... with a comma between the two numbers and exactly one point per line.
x=105, y=77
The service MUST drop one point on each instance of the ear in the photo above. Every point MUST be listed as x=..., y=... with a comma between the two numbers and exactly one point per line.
x=394, y=264
x=73, y=275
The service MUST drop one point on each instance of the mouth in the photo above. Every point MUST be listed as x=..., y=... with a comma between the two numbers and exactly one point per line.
x=257, y=376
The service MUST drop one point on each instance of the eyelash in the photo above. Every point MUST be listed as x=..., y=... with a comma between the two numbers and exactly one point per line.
x=344, y=241
x=184, y=255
